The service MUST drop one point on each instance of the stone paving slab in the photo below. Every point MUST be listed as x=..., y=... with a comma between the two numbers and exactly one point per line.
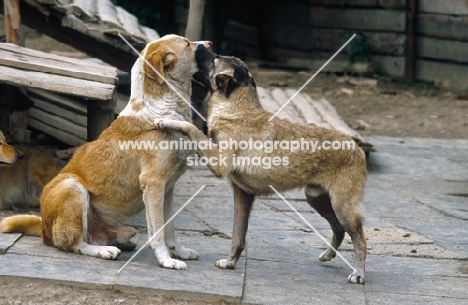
x=410, y=191
x=7, y=240
x=270, y=282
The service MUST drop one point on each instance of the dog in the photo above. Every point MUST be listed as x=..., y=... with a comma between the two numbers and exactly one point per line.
x=83, y=208
x=24, y=171
x=8, y=154
x=334, y=180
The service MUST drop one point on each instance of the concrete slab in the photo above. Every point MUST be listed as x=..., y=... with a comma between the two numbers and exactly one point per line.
x=7, y=240
x=270, y=282
x=415, y=187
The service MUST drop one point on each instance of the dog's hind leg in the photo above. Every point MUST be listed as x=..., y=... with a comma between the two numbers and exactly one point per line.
x=346, y=197
x=242, y=206
x=70, y=230
x=176, y=249
x=123, y=234
x=320, y=200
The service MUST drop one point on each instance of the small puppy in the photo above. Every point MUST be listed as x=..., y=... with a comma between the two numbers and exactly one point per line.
x=334, y=180
x=23, y=176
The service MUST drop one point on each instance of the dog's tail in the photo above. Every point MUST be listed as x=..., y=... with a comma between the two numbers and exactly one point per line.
x=26, y=224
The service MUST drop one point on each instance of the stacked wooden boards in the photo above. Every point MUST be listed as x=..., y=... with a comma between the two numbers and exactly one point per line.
x=74, y=100
x=304, y=109
x=442, y=42
x=89, y=26
x=426, y=40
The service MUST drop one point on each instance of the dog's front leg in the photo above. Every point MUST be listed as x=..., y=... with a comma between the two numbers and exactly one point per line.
x=220, y=163
x=242, y=206
x=153, y=198
x=176, y=249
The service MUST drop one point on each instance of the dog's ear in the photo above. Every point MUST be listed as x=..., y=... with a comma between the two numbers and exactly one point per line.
x=226, y=83
x=160, y=60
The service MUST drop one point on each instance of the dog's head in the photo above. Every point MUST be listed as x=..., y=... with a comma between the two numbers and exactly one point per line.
x=223, y=74
x=171, y=57
x=8, y=154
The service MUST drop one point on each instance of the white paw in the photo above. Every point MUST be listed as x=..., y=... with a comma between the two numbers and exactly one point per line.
x=170, y=263
x=326, y=256
x=225, y=264
x=184, y=253
x=108, y=252
x=356, y=278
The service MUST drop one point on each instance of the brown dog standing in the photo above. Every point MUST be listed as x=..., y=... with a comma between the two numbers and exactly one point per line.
x=334, y=180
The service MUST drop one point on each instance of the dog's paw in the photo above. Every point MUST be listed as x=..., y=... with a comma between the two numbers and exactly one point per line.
x=170, y=263
x=225, y=264
x=356, y=278
x=327, y=256
x=184, y=253
x=159, y=124
x=108, y=252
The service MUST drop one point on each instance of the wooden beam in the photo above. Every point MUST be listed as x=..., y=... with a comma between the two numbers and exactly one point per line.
x=100, y=116
x=13, y=28
x=51, y=26
x=194, y=28
x=411, y=39
x=57, y=83
x=18, y=121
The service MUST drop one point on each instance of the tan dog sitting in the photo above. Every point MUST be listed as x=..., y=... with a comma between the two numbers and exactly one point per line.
x=83, y=209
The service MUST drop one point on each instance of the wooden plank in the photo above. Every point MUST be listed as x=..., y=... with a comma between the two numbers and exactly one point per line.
x=58, y=122
x=73, y=104
x=288, y=112
x=448, y=7
x=61, y=112
x=241, y=32
x=313, y=39
x=109, y=49
x=50, y=66
x=65, y=66
x=58, y=134
x=57, y=83
x=445, y=74
x=442, y=49
x=100, y=116
x=304, y=107
x=268, y=103
x=323, y=17
x=443, y=26
x=389, y=65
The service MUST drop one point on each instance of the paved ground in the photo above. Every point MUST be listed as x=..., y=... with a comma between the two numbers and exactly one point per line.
x=416, y=210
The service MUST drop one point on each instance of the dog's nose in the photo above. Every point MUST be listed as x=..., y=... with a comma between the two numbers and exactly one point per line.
x=208, y=44
x=19, y=154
